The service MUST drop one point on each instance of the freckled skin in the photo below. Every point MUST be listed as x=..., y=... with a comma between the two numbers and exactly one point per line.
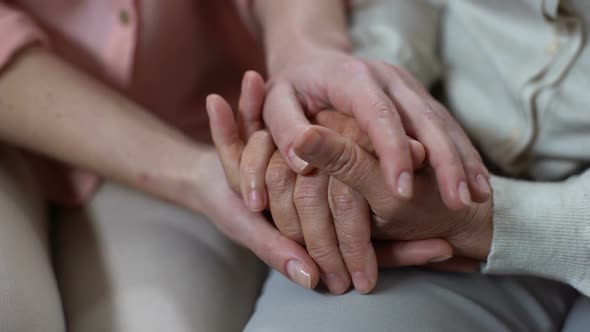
x=145, y=178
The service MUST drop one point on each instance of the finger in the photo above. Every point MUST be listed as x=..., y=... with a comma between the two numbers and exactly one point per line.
x=418, y=153
x=310, y=198
x=475, y=170
x=280, y=183
x=226, y=139
x=410, y=253
x=442, y=154
x=380, y=119
x=423, y=117
x=265, y=241
x=345, y=161
x=250, y=104
x=348, y=127
x=352, y=220
x=255, y=159
x=285, y=120
x=457, y=264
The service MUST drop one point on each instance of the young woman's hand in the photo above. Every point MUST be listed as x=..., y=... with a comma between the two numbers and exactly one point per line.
x=311, y=68
x=389, y=105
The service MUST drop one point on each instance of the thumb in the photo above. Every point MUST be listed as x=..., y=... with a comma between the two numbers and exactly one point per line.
x=344, y=160
x=282, y=254
x=254, y=232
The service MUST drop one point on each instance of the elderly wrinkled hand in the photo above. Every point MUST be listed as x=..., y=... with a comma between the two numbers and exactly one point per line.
x=425, y=216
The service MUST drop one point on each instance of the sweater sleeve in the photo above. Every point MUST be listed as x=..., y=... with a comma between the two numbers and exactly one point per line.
x=17, y=30
x=542, y=229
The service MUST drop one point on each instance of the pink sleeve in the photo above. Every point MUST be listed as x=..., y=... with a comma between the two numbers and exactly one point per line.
x=245, y=10
x=17, y=30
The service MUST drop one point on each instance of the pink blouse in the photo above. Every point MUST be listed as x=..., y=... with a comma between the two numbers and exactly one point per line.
x=165, y=55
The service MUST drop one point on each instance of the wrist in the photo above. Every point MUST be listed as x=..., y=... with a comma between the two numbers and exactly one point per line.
x=191, y=191
x=181, y=180
x=293, y=30
x=485, y=232
x=300, y=49
x=476, y=240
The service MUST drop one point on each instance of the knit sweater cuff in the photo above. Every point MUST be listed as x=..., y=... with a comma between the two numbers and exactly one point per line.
x=542, y=229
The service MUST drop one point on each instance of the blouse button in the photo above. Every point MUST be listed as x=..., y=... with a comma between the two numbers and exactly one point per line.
x=124, y=16
x=552, y=47
x=515, y=135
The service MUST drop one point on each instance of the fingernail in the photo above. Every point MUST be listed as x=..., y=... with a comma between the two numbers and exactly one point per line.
x=483, y=184
x=255, y=201
x=440, y=259
x=404, y=185
x=297, y=162
x=312, y=142
x=361, y=282
x=464, y=194
x=298, y=273
x=336, y=284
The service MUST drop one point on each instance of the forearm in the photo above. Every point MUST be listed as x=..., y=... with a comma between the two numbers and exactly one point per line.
x=49, y=107
x=290, y=28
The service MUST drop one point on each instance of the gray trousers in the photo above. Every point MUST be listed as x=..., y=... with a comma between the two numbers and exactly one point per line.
x=129, y=263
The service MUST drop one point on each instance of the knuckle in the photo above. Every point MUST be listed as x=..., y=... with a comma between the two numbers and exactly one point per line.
x=307, y=195
x=322, y=251
x=343, y=203
x=384, y=118
x=430, y=112
x=291, y=231
x=383, y=109
x=343, y=162
x=278, y=177
x=354, y=251
x=349, y=240
x=251, y=168
x=358, y=67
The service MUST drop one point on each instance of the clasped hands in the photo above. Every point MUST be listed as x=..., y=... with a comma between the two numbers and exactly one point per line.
x=341, y=208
